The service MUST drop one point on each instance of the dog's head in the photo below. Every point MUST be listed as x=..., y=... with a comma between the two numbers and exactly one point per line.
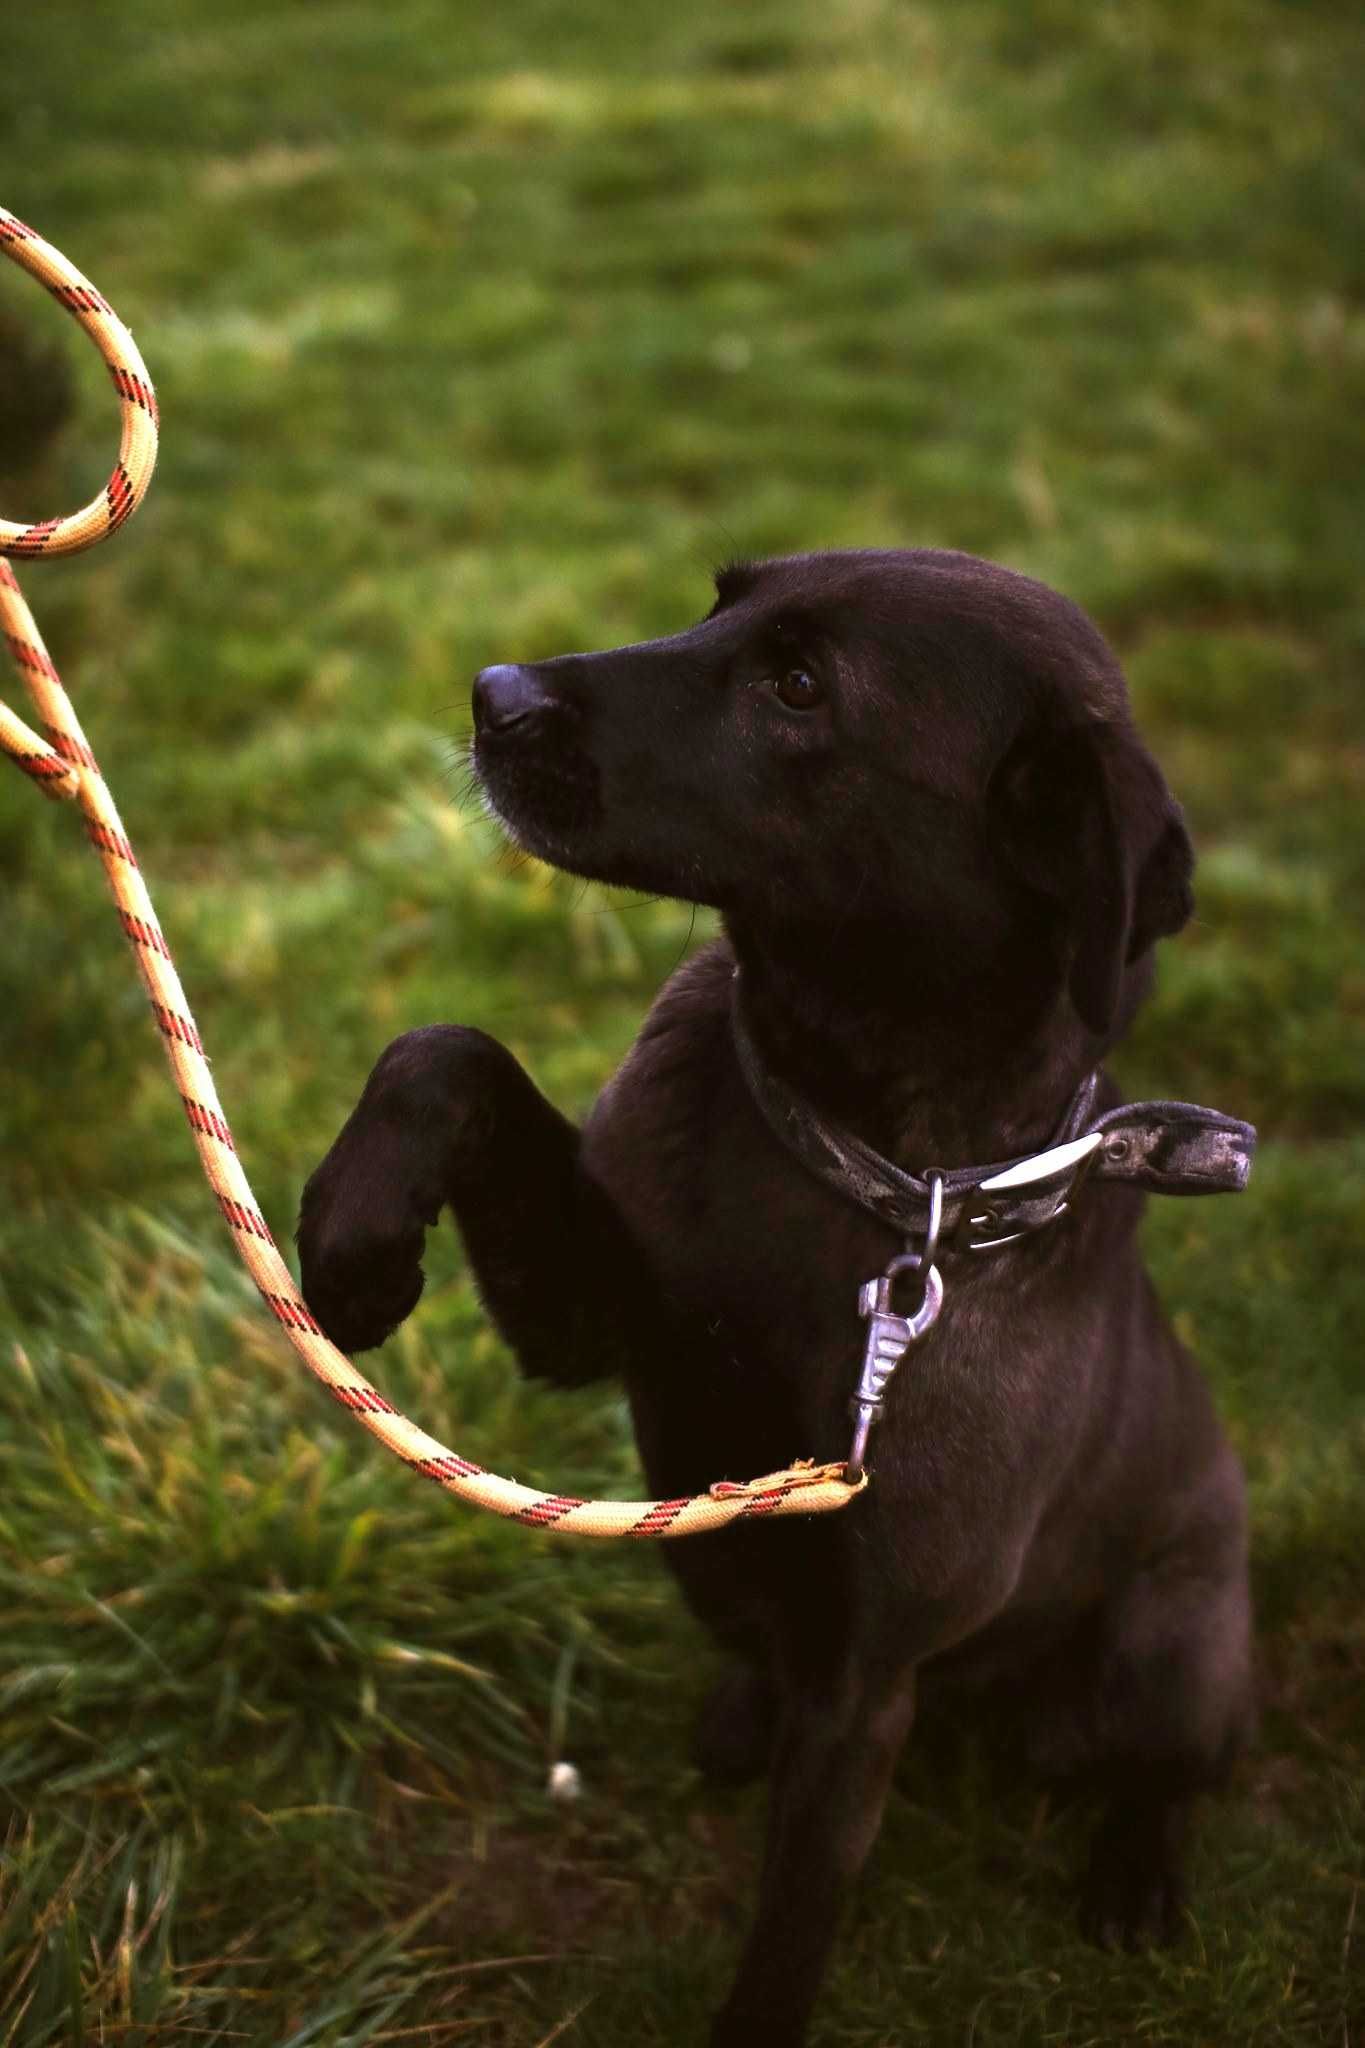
x=919, y=745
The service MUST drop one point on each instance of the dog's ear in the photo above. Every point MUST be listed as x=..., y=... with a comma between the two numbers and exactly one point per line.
x=1088, y=821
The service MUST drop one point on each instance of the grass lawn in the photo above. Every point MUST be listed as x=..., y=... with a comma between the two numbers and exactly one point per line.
x=482, y=333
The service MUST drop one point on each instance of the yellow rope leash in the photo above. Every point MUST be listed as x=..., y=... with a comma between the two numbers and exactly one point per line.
x=63, y=766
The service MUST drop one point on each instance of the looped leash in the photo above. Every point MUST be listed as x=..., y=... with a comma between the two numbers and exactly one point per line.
x=63, y=765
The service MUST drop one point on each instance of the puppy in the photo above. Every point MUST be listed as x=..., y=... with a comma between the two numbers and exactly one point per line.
x=911, y=784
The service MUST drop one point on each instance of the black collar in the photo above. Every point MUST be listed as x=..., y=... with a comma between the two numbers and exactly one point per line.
x=1170, y=1148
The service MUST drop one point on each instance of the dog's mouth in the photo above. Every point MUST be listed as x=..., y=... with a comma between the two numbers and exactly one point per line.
x=547, y=795
x=542, y=790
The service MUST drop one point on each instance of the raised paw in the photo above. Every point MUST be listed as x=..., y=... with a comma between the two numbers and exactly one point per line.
x=360, y=1239
x=362, y=1290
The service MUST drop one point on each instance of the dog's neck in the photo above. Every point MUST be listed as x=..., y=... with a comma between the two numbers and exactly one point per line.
x=899, y=1049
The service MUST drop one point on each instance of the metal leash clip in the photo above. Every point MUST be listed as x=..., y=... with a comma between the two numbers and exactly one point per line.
x=889, y=1336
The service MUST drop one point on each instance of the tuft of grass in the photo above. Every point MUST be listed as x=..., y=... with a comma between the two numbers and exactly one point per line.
x=480, y=338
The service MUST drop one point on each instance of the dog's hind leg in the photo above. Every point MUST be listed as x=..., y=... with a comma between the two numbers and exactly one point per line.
x=1169, y=1710
x=449, y=1118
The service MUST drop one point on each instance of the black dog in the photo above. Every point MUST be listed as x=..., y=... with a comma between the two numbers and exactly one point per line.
x=912, y=785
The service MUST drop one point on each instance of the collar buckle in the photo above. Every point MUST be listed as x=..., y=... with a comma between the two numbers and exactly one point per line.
x=1026, y=1195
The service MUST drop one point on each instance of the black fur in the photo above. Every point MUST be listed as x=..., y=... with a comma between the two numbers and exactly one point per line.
x=912, y=785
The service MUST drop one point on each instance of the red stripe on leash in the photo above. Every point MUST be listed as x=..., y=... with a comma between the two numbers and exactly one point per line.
x=40, y=768
x=35, y=538
x=172, y=1025
x=244, y=1219
x=543, y=1514
x=81, y=298
x=118, y=494
x=26, y=654
x=70, y=749
x=143, y=934
x=292, y=1314
x=204, y=1120
x=361, y=1400
x=764, y=1503
x=129, y=385
x=109, y=842
x=448, y=1466
x=659, y=1517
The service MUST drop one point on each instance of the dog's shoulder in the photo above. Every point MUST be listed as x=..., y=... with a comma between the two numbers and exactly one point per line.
x=694, y=1003
x=658, y=1104
x=684, y=1041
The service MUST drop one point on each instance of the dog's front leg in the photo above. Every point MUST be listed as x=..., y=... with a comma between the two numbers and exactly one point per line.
x=836, y=1752
x=449, y=1118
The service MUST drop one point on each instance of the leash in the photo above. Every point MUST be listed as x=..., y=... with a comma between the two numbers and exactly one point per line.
x=63, y=766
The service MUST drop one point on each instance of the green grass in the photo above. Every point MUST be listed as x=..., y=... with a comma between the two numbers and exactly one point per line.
x=482, y=334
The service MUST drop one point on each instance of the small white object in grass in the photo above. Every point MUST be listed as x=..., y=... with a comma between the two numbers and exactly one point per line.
x=564, y=1785
x=732, y=353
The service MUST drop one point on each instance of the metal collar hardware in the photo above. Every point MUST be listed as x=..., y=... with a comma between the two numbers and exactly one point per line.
x=889, y=1336
x=1169, y=1148
x=1050, y=1177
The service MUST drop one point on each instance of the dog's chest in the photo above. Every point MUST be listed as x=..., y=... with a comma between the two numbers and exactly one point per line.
x=761, y=1266
x=733, y=1229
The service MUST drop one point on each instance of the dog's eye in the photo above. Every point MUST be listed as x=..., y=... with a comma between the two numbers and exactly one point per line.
x=797, y=689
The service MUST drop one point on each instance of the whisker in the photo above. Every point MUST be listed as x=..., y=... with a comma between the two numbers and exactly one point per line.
x=691, y=928
x=632, y=903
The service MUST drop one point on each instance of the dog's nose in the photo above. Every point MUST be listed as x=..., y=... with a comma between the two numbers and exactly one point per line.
x=505, y=695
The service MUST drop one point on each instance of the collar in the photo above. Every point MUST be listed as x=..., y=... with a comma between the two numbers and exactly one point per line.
x=1168, y=1148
